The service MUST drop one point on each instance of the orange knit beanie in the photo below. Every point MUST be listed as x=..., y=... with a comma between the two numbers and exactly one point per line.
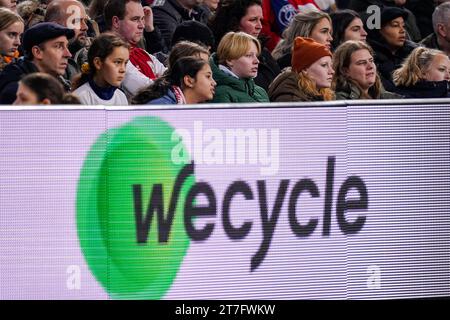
x=306, y=51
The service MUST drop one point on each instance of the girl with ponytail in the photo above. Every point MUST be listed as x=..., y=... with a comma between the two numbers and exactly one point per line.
x=425, y=73
x=188, y=81
x=104, y=72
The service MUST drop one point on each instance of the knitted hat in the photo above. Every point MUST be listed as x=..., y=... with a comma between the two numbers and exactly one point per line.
x=307, y=51
x=193, y=31
x=390, y=13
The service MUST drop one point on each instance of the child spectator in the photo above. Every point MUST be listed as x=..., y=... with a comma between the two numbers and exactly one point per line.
x=104, y=72
x=188, y=81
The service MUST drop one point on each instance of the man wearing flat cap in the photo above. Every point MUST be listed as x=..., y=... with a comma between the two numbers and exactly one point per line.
x=46, y=50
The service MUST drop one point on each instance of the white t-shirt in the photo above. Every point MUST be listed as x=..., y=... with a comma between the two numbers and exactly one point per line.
x=89, y=97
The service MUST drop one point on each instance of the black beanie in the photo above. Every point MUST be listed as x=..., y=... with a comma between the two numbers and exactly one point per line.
x=193, y=31
x=391, y=13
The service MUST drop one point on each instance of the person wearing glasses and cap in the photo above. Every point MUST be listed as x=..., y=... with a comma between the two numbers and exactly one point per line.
x=46, y=50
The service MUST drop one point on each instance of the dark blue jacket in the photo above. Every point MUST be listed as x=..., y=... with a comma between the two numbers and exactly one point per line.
x=10, y=76
x=168, y=98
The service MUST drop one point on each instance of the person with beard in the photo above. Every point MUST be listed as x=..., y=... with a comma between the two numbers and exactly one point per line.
x=440, y=38
x=72, y=14
x=46, y=50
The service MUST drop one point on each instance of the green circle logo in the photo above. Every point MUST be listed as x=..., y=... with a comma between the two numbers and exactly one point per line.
x=126, y=169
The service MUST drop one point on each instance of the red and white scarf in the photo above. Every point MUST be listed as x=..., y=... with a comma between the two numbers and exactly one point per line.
x=179, y=95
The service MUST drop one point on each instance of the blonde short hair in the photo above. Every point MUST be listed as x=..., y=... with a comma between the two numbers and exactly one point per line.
x=235, y=45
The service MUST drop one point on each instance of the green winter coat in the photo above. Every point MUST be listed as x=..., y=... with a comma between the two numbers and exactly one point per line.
x=351, y=92
x=231, y=89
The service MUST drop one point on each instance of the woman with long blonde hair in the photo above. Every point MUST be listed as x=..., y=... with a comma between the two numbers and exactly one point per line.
x=316, y=25
x=425, y=73
x=11, y=29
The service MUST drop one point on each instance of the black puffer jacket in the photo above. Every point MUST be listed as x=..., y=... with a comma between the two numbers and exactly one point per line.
x=268, y=69
x=387, y=61
x=168, y=16
x=10, y=77
x=425, y=89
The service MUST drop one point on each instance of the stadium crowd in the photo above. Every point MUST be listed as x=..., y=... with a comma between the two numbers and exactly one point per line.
x=120, y=52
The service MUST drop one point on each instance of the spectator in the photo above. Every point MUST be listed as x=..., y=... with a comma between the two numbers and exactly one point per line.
x=210, y=7
x=194, y=31
x=246, y=16
x=9, y=4
x=96, y=8
x=316, y=25
x=41, y=88
x=104, y=72
x=173, y=12
x=390, y=44
x=46, y=50
x=356, y=74
x=310, y=77
x=11, y=29
x=187, y=49
x=129, y=20
x=180, y=50
x=72, y=14
x=440, y=38
x=422, y=11
x=31, y=11
x=411, y=28
x=424, y=74
x=188, y=81
x=234, y=66
x=347, y=25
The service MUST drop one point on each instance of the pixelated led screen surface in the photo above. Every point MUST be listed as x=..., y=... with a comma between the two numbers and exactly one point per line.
x=345, y=202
